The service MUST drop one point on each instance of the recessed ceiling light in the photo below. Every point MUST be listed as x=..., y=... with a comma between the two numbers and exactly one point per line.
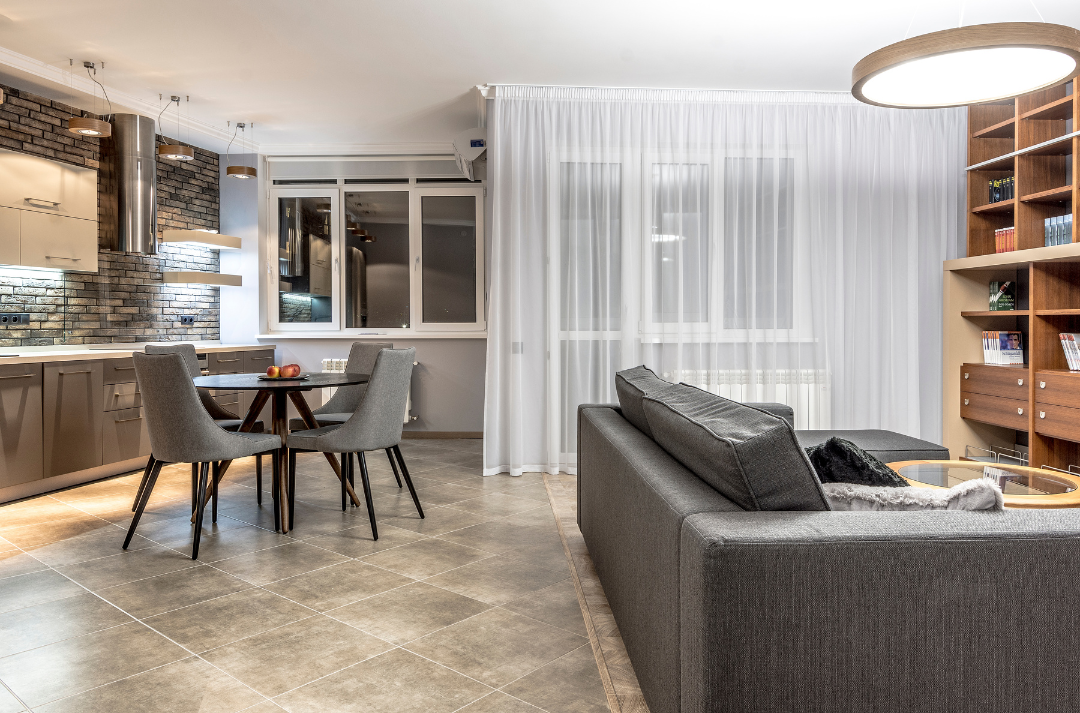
x=967, y=65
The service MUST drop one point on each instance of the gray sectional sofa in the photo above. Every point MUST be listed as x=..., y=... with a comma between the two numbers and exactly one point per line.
x=723, y=609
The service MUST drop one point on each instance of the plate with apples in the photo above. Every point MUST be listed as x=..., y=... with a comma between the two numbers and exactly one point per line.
x=289, y=372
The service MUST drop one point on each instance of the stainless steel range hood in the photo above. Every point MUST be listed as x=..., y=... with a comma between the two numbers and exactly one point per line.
x=136, y=180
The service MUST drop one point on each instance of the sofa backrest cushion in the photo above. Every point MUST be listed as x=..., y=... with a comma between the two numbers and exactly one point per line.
x=749, y=456
x=632, y=385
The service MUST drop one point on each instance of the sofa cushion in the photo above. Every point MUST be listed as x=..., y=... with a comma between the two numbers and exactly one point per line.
x=632, y=385
x=749, y=456
x=840, y=461
x=886, y=446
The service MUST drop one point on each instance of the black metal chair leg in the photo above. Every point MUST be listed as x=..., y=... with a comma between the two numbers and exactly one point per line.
x=367, y=492
x=194, y=486
x=393, y=464
x=274, y=491
x=203, y=472
x=143, y=500
x=216, y=474
x=258, y=479
x=352, y=474
x=344, y=475
x=408, y=481
x=292, y=483
x=142, y=483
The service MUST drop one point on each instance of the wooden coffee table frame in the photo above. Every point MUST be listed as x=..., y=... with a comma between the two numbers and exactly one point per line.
x=1060, y=500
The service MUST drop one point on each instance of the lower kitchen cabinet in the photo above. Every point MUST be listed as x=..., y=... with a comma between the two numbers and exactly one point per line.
x=73, y=400
x=124, y=435
x=20, y=424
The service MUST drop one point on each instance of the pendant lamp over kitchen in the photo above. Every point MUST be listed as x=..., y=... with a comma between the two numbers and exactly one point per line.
x=88, y=125
x=176, y=151
x=967, y=65
x=241, y=170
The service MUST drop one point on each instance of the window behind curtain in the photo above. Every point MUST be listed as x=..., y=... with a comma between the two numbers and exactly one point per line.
x=590, y=236
x=680, y=242
x=758, y=243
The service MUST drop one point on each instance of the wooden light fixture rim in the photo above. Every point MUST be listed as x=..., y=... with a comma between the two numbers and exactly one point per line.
x=166, y=149
x=84, y=122
x=1035, y=35
x=241, y=171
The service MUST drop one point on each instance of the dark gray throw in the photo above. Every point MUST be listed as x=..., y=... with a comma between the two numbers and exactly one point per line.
x=840, y=461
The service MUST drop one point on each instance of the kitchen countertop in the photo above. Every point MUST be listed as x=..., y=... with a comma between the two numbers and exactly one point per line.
x=84, y=352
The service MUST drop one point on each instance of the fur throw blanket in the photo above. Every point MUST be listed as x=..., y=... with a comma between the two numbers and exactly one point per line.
x=977, y=494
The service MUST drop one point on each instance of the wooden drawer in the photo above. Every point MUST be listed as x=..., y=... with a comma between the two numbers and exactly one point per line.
x=226, y=362
x=1007, y=382
x=257, y=361
x=118, y=371
x=1010, y=413
x=228, y=400
x=1058, y=421
x=1061, y=389
x=122, y=396
x=124, y=435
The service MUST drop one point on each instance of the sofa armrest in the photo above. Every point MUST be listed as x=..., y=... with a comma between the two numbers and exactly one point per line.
x=782, y=410
x=911, y=611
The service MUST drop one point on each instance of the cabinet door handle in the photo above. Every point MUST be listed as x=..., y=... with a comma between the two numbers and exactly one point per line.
x=125, y=420
x=61, y=257
x=1019, y=410
x=965, y=375
x=226, y=361
x=1042, y=384
x=260, y=358
x=965, y=402
x=17, y=376
x=122, y=368
x=54, y=204
x=65, y=373
x=1042, y=414
x=1019, y=382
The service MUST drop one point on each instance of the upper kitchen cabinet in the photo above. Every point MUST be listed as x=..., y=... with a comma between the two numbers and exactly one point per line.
x=54, y=222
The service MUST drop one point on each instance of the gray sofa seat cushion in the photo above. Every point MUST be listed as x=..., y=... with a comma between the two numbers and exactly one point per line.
x=886, y=446
x=749, y=456
x=632, y=385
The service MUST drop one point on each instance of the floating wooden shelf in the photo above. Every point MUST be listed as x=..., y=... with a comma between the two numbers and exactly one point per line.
x=997, y=313
x=1054, y=195
x=201, y=238
x=997, y=207
x=1057, y=312
x=216, y=279
x=1002, y=130
x=1057, y=109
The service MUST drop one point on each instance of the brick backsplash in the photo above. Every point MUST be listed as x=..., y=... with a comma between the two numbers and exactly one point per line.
x=125, y=300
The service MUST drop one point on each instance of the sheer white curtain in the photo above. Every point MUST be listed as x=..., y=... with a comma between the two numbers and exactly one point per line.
x=766, y=246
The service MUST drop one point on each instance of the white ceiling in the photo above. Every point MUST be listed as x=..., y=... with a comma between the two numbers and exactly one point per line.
x=371, y=76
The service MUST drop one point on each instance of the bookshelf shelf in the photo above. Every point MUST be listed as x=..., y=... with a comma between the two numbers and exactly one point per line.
x=997, y=313
x=1057, y=109
x=1002, y=130
x=1063, y=372
x=1044, y=148
x=997, y=207
x=1057, y=312
x=1053, y=195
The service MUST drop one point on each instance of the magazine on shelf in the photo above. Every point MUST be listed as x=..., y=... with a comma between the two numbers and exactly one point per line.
x=1003, y=348
x=1071, y=348
x=1002, y=296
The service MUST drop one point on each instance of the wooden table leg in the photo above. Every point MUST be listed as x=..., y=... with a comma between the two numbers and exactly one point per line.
x=249, y=420
x=309, y=420
x=281, y=428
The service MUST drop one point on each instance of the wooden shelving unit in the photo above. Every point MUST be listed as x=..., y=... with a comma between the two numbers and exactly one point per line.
x=1034, y=139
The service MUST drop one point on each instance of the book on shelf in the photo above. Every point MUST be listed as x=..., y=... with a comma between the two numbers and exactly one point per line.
x=1004, y=240
x=1002, y=296
x=1058, y=230
x=1003, y=348
x=1001, y=189
x=1072, y=349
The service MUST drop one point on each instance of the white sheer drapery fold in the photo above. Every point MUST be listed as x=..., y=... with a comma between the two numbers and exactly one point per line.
x=766, y=246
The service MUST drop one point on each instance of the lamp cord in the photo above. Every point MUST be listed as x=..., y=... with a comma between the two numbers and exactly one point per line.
x=228, y=161
x=95, y=81
x=1036, y=9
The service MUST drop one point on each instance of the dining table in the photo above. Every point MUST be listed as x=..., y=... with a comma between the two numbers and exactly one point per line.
x=280, y=391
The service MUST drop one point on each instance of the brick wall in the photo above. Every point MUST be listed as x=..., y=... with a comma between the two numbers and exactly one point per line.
x=125, y=300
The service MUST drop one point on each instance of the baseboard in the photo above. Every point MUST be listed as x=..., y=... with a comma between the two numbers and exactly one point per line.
x=68, y=480
x=442, y=434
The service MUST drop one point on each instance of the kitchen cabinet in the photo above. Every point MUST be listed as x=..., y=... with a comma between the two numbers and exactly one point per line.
x=34, y=183
x=10, y=236
x=124, y=435
x=20, y=424
x=73, y=402
x=58, y=241
x=255, y=362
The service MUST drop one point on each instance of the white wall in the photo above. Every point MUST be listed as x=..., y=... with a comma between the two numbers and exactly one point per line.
x=239, y=216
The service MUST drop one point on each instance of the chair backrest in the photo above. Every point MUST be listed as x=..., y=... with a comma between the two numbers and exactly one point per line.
x=362, y=358
x=191, y=363
x=181, y=430
x=377, y=423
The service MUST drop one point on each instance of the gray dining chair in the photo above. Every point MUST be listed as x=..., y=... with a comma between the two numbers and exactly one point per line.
x=182, y=431
x=222, y=417
x=375, y=425
x=346, y=399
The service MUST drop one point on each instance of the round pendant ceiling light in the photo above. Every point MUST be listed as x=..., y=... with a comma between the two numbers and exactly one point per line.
x=239, y=171
x=174, y=151
x=86, y=125
x=967, y=65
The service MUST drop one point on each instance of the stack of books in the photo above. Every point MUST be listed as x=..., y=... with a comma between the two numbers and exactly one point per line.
x=1072, y=349
x=1058, y=231
x=1003, y=348
x=1004, y=240
x=1002, y=296
x=1001, y=189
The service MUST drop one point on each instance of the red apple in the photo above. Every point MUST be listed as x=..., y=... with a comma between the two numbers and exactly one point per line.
x=273, y=372
x=290, y=371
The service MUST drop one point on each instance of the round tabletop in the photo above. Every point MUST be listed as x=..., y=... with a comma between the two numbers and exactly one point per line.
x=1023, y=487
x=252, y=382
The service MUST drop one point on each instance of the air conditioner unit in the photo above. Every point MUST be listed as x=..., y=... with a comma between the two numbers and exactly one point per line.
x=470, y=150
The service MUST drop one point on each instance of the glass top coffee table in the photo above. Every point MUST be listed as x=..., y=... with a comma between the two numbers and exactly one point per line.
x=1023, y=487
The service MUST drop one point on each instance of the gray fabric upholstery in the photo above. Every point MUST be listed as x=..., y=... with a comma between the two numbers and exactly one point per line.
x=191, y=364
x=749, y=456
x=632, y=385
x=782, y=410
x=346, y=399
x=323, y=419
x=181, y=430
x=377, y=422
x=632, y=500
x=886, y=446
x=783, y=611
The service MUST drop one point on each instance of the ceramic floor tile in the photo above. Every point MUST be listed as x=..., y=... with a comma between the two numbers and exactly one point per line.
x=35, y=588
x=177, y=532
x=337, y=585
x=570, y=684
x=75, y=665
x=35, y=512
x=357, y=541
x=425, y=558
x=394, y=682
x=409, y=612
x=126, y=567
x=156, y=595
x=264, y=707
x=497, y=702
x=290, y=656
x=500, y=536
x=186, y=686
x=9, y=703
x=226, y=619
x=500, y=579
x=276, y=563
x=231, y=542
x=437, y=520
x=43, y=624
x=556, y=605
x=13, y=563
x=497, y=504
x=496, y=647
x=31, y=536
x=102, y=542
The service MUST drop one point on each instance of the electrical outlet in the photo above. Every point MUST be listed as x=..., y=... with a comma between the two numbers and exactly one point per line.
x=17, y=319
x=187, y=320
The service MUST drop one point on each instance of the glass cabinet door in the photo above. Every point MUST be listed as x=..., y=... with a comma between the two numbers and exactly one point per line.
x=451, y=285
x=305, y=259
x=376, y=241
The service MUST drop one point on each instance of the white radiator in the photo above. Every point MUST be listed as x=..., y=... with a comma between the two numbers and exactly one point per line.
x=806, y=391
x=337, y=366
